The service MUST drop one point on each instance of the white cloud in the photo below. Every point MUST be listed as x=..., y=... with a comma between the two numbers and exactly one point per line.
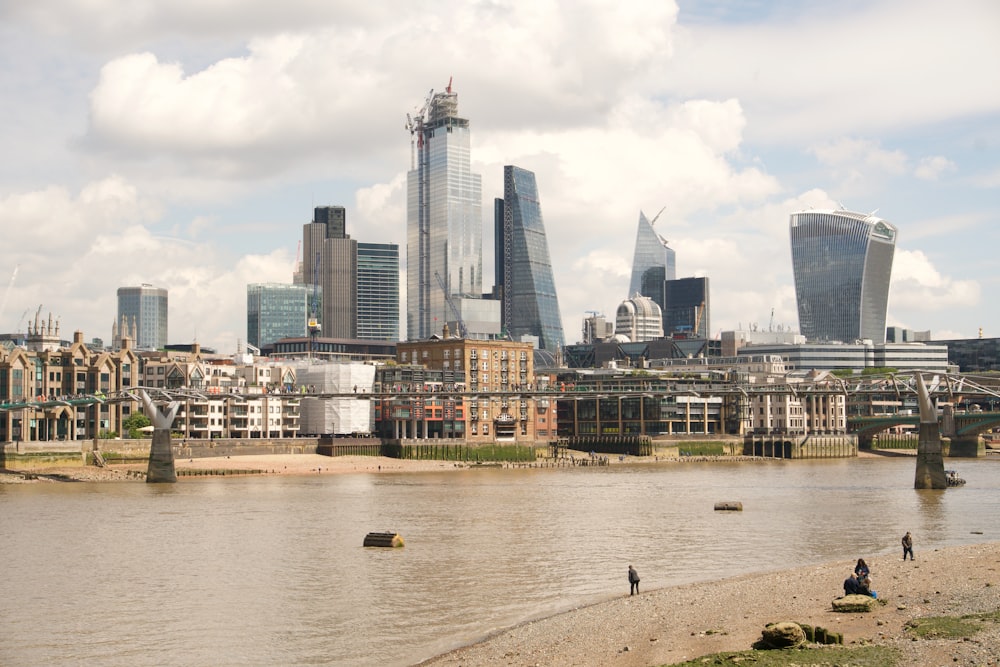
x=917, y=286
x=931, y=168
x=827, y=71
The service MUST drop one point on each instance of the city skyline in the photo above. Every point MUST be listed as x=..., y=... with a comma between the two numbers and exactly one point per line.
x=184, y=147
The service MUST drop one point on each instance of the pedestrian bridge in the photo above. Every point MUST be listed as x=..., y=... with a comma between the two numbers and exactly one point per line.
x=963, y=428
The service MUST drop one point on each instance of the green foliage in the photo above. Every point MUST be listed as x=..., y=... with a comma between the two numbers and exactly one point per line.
x=105, y=434
x=701, y=448
x=951, y=627
x=853, y=656
x=461, y=452
x=879, y=371
x=133, y=423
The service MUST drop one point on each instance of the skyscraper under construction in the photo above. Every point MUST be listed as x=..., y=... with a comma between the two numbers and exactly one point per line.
x=444, y=226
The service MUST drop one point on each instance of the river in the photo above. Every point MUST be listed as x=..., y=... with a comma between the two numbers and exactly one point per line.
x=271, y=570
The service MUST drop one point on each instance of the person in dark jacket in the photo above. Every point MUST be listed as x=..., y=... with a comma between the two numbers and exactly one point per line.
x=633, y=580
x=861, y=569
x=907, y=545
x=851, y=585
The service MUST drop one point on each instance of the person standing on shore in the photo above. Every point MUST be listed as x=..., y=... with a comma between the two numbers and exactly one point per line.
x=633, y=580
x=907, y=545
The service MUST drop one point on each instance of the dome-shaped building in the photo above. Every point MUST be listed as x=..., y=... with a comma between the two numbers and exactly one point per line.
x=639, y=318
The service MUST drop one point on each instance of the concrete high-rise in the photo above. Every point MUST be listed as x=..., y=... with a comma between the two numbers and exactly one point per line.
x=652, y=263
x=144, y=309
x=378, y=291
x=523, y=270
x=444, y=226
x=330, y=261
x=842, y=262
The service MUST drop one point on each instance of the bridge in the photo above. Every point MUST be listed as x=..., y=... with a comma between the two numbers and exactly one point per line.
x=963, y=428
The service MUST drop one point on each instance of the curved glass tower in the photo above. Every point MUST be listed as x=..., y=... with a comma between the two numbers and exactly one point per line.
x=653, y=262
x=842, y=262
x=523, y=267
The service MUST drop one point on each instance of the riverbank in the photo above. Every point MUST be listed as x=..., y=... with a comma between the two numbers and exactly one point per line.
x=672, y=625
x=304, y=464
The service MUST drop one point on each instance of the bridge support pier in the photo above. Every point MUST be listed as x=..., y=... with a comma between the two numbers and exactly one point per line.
x=161, y=454
x=865, y=441
x=967, y=447
x=930, y=461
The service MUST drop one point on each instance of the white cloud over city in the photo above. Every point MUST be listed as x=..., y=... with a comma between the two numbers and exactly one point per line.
x=184, y=144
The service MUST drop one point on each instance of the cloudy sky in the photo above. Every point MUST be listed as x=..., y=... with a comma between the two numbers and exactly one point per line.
x=184, y=143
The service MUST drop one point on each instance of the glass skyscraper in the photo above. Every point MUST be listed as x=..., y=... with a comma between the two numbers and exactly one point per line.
x=276, y=311
x=652, y=263
x=687, y=307
x=842, y=262
x=378, y=291
x=523, y=268
x=444, y=225
x=145, y=307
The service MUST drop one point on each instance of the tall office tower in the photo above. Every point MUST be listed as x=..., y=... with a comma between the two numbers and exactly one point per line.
x=145, y=308
x=339, y=282
x=687, y=307
x=639, y=318
x=444, y=225
x=276, y=311
x=378, y=291
x=652, y=263
x=329, y=260
x=527, y=290
x=842, y=262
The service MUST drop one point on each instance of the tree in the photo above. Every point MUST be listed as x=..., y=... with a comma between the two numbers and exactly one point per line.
x=132, y=424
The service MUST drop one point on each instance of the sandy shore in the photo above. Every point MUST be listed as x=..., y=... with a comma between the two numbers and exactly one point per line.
x=676, y=624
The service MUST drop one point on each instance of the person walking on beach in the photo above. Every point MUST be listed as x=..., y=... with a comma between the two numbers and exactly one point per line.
x=633, y=580
x=907, y=545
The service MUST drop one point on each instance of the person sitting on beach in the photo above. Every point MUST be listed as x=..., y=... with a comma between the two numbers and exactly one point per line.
x=861, y=569
x=851, y=585
x=865, y=587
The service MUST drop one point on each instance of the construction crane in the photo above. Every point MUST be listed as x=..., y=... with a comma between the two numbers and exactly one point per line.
x=462, y=331
x=314, y=325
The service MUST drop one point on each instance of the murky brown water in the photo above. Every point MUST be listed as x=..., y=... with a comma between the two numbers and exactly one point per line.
x=269, y=571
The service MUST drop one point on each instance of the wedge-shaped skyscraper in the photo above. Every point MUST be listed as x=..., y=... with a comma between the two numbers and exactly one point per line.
x=527, y=290
x=842, y=262
x=653, y=262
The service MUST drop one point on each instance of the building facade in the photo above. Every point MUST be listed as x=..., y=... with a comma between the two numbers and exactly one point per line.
x=378, y=291
x=639, y=319
x=842, y=262
x=276, y=311
x=652, y=263
x=444, y=229
x=143, y=309
x=857, y=357
x=497, y=368
x=527, y=289
x=686, y=307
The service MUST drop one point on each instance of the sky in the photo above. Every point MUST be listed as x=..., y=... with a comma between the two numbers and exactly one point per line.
x=184, y=144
